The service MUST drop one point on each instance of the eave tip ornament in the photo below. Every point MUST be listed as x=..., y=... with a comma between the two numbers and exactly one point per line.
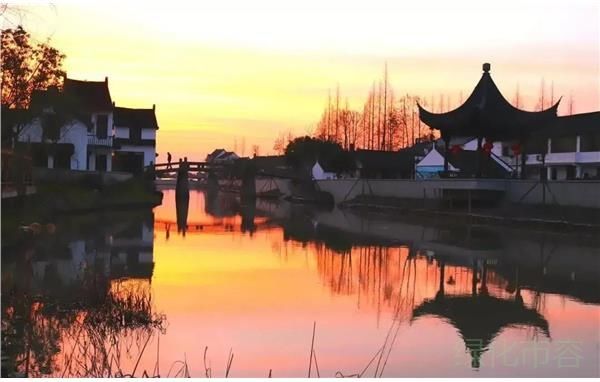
x=486, y=67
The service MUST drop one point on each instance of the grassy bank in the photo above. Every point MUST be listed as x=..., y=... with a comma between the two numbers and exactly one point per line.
x=52, y=200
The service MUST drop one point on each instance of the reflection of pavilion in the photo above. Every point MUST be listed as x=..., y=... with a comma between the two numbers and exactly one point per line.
x=480, y=317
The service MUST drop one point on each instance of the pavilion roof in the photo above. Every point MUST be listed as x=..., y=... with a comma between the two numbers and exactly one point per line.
x=487, y=113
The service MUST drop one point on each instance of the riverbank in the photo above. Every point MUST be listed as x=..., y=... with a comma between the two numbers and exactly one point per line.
x=533, y=216
x=54, y=199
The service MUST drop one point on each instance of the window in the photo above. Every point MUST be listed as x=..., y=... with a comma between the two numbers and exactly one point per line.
x=564, y=144
x=590, y=142
x=505, y=151
x=135, y=134
x=100, y=162
x=102, y=126
x=50, y=127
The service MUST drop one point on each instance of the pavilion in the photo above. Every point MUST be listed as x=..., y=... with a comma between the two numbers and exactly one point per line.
x=486, y=114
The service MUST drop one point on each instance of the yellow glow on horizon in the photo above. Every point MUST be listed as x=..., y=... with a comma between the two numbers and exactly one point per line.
x=224, y=72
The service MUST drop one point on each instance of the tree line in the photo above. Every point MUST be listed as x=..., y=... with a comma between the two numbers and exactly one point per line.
x=387, y=121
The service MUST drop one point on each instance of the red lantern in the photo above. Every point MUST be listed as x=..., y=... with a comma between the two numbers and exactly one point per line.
x=455, y=149
x=488, y=146
x=516, y=149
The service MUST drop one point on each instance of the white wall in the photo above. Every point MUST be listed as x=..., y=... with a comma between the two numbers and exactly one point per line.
x=122, y=132
x=319, y=174
x=75, y=133
x=434, y=158
x=149, y=134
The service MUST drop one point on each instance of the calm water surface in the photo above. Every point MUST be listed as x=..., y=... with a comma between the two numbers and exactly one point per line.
x=212, y=287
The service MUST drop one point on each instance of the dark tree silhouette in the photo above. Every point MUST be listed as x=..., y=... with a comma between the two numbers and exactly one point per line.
x=27, y=66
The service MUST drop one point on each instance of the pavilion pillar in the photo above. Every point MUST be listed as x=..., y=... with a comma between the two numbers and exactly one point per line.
x=440, y=293
x=523, y=158
x=474, y=278
x=479, y=155
x=446, y=139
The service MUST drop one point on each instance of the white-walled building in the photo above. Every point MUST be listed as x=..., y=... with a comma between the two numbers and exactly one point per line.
x=319, y=173
x=568, y=150
x=71, y=129
x=135, y=138
x=219, y=156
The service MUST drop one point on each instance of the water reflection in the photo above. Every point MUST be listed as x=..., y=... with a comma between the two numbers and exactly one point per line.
x=417, y=297
x=73, y=299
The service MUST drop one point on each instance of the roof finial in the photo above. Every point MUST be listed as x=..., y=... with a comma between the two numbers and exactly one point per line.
x=486, y=67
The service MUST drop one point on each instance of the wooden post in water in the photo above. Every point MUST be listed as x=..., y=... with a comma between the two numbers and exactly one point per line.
x=248, y=190
x=183, y=187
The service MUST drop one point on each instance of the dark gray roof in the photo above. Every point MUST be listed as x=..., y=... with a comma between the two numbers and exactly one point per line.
x=141, y=118
x=92, y=95
x=384, y=160
x=487, y=113
x=571, y=125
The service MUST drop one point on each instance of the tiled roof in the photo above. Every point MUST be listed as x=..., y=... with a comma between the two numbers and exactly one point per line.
x=92, y=95
x=141, y=118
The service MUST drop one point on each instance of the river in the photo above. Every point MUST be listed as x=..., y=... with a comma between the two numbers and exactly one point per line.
x=208, y=287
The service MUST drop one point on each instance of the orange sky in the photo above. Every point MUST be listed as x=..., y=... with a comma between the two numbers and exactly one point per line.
x=235, y=73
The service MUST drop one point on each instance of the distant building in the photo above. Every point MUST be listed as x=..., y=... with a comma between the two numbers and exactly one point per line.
x=135, y=138
x=221, y=156
x=569, y=149
x=323, y=171
x=376, y=164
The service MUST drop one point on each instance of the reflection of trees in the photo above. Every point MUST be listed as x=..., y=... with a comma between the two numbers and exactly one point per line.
x=384, y=277
x=84, y=336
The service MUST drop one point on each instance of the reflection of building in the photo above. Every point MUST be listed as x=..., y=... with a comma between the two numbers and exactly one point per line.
x=132, y=251
x=123, y=250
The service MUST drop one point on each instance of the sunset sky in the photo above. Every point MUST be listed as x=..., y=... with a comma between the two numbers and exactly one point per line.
x=233, y=73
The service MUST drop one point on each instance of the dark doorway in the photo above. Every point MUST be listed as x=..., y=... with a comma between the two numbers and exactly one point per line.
x=102, y=126
x=101, y=162
x=129, y=162
x=570, y=172
x=62, y=159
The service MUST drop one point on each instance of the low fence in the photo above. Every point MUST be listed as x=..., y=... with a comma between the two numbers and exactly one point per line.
x=564, y=193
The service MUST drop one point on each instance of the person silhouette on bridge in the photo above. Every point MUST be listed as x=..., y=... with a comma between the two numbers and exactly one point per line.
x=168, y=160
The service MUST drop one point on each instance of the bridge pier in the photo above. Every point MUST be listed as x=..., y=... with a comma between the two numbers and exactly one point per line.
x=182, y=188
x=248, y=189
